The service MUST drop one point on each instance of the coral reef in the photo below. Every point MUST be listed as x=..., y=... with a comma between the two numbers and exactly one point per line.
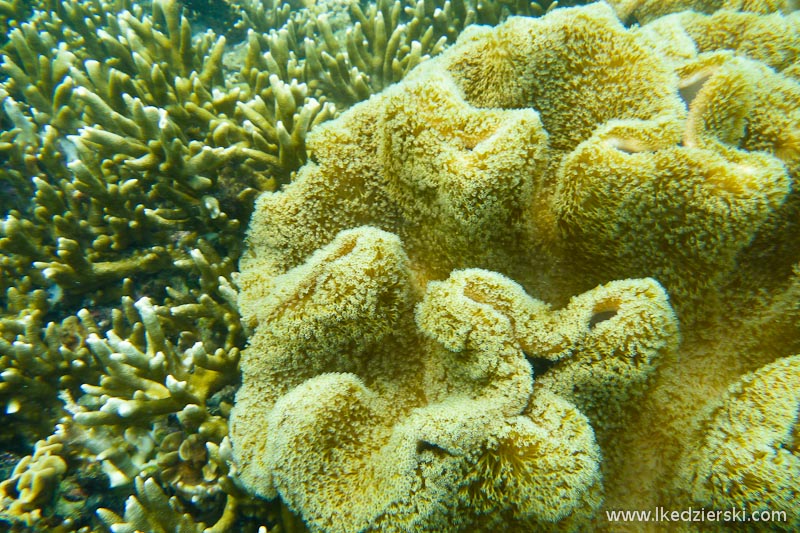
x=600, y=168
x=563, y=154
x=133, y=142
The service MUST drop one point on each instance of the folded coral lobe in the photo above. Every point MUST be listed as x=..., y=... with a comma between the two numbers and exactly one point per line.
x=535, y=280
x=422, y=418
x=577, y=68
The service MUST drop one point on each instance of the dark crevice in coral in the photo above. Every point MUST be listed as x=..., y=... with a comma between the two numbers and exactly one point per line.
x=217, y=15
x=425, y=446
x=601, y=316
x=540, y=365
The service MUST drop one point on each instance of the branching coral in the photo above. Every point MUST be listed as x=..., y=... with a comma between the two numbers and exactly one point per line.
x=124, y=208
x=347, y=52
x=152, y=510
x=160, y=403
x=147, y=377
x=562, y=153
x=38, y=359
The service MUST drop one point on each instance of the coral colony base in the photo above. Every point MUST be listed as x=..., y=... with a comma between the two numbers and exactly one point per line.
x=549, y=274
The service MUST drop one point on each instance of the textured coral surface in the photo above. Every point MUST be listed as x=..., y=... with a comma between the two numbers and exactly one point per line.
x=134, y=137
x=407, y=369
x=426, y=417
x=563, y=237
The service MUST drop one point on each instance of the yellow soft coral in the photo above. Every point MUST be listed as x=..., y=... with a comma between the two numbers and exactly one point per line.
x=463, y=173
x=723, y=197
x=559, y=62
x=429, y=420
x=749, y=457
x=646, y=10
x=574, y=157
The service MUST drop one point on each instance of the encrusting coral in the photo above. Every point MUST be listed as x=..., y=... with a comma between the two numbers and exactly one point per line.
x=33, y=480
x=562, y=153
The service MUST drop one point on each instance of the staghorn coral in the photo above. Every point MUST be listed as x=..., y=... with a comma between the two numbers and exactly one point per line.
x=420, y=419
x=562, y=153
x=38, y=359
x=159, y=404
x=91, y=222
x=152, y=510
x=345, y=52
x=114, y=220
x=142, y=383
